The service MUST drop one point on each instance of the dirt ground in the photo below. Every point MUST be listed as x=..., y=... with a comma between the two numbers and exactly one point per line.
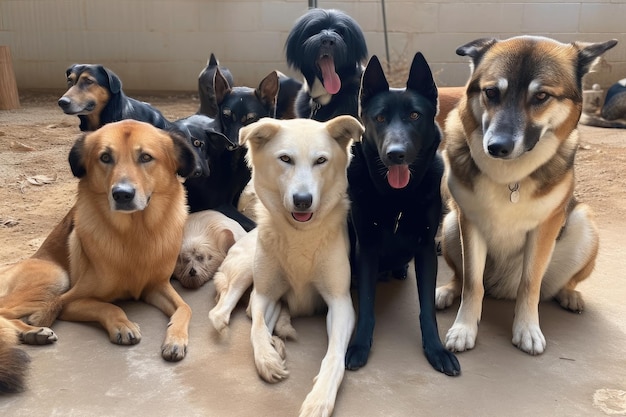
x=37, y=186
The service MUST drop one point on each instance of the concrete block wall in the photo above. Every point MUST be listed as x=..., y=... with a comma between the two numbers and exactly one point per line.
x=163, y=45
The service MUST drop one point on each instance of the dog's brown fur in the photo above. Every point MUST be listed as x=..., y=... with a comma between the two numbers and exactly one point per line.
x=515, y=229
x=448, y=99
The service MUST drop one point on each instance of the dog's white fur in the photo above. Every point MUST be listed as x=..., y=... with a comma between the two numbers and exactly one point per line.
x=207, y=238
x=304, y=264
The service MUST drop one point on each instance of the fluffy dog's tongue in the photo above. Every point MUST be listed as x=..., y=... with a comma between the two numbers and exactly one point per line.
x=332, y=83
x=302, y=217
x=398, y=176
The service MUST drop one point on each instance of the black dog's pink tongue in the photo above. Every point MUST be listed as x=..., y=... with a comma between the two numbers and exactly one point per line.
x=398, y=176
x=332, y=83
x=302, y=217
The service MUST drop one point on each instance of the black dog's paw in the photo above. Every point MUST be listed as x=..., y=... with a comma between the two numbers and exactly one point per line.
x=443, y=361
x=401, y=273
x=356, y=357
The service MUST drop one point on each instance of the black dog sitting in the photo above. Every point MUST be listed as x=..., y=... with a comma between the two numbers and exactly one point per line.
x=394, y=180
x=206, y=92
x=328, y=48
x=95, y=95
x=222, y=174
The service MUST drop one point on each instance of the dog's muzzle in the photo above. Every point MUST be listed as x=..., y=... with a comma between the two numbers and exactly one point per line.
x=69, y=107
x=123, y=195
x=302, y=203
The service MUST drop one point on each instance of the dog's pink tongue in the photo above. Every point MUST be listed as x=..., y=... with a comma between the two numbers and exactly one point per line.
x=332, y=83
x=302, y=217
x=398, y=176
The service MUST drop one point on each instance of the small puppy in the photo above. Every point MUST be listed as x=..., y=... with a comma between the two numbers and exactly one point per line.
x=328, y=47
x=207, y=238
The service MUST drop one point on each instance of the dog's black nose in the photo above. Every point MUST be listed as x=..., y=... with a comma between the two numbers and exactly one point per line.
x=123, y=193
x=192, y=272
x=396, y=154
x=500, y=148
x=302, y=201
x=64, y=102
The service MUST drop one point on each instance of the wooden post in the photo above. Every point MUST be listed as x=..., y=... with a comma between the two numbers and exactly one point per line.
x=9, y=98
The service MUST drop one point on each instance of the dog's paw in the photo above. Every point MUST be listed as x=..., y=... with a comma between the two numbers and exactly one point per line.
x=461, y=337
x=126, y=333
x=443, y=360
x=41, y=336
x=284, y=328
x=173, y=349
x=528, y=338
x=571, y=300
x=220, y=320
x=356, y=357
x=270, y=363
x=316, y=407
x=444, y=297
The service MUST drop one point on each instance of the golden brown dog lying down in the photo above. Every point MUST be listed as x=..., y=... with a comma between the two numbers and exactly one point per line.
x=119, y=241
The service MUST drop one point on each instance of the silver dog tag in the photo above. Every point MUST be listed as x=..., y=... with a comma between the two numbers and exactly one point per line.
x=514, y=189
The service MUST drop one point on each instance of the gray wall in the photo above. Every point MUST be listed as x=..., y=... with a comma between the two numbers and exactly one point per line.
x=163, y=45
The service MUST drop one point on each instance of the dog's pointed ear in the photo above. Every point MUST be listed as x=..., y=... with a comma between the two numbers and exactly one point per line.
x=220, y=141
x=373, y=80
x=185, y=155
x=115, y=84
x=212, y=62
x=345, y=129
x=588, y=53
x=267, y=91
x=259, y=132
x=476, y=49
x=220, y=86
x=421, y=78
x=75, y=158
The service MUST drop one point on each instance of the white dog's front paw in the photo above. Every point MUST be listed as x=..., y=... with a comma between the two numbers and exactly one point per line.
x=444, y=297
x=219, y=319
x=571, y=300
x=270, y=362
x=528, y=337
x=317, y=405
x=461, y=337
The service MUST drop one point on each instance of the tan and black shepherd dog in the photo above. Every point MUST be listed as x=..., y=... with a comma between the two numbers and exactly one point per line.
x=119, y=241
x=515, y=229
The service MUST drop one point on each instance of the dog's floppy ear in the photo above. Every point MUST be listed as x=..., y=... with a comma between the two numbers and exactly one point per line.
x=220, y=86
x=69, y=69
x=259, y=132
x=476, y=49
x=421, y=78
x=373, y=80
x=225, y=240
x=115, y=84
x=76, y=159
x=345, y=129
x=589, y=52
x=185, y=155
x=267, y=91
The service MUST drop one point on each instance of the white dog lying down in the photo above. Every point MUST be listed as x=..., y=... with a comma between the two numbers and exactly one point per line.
x=207, y=238
x=301, y=252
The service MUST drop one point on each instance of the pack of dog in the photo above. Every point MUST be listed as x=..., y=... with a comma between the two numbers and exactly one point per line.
x=515, y=229
x=95, y=95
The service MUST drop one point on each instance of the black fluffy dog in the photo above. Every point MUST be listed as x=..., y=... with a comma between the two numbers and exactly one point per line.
x=328, y=47
x=95, y=95
x=394, y=180
x=206, y=91
x=222, y=174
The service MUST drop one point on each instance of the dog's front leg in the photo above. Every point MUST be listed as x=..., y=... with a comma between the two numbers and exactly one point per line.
x=426, y=272
x=339, y=325
x=367, y=273
x=540, y=242
x=462, y=334
x=166, y=299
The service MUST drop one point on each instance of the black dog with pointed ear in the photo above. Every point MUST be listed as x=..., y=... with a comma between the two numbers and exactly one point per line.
x=206, y=90
x=394, y=180
x=95, y=95
x=328, y=47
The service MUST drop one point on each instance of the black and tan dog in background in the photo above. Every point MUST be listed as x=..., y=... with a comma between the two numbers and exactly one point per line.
x=515, y=229
x=95, y=95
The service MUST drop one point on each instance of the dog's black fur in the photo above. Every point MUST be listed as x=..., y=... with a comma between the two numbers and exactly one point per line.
x=286, y=99
x=206, y=92
x=394, y=223
x=331, y=36
x=240, y=106
x=221, y=174
x=95, y=95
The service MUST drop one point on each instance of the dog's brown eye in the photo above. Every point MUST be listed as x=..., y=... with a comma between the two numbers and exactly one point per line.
x=285, y=158
x=197, y=143
x=541, y=97
x=414, y=115
x=145, y=158
x=380, y=118
x=226, y=112
x=321, y=160
x=106, y=158
x=492, y=93
x=250, y=118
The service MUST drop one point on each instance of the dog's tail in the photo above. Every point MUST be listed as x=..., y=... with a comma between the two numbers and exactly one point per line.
x=14, y=362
